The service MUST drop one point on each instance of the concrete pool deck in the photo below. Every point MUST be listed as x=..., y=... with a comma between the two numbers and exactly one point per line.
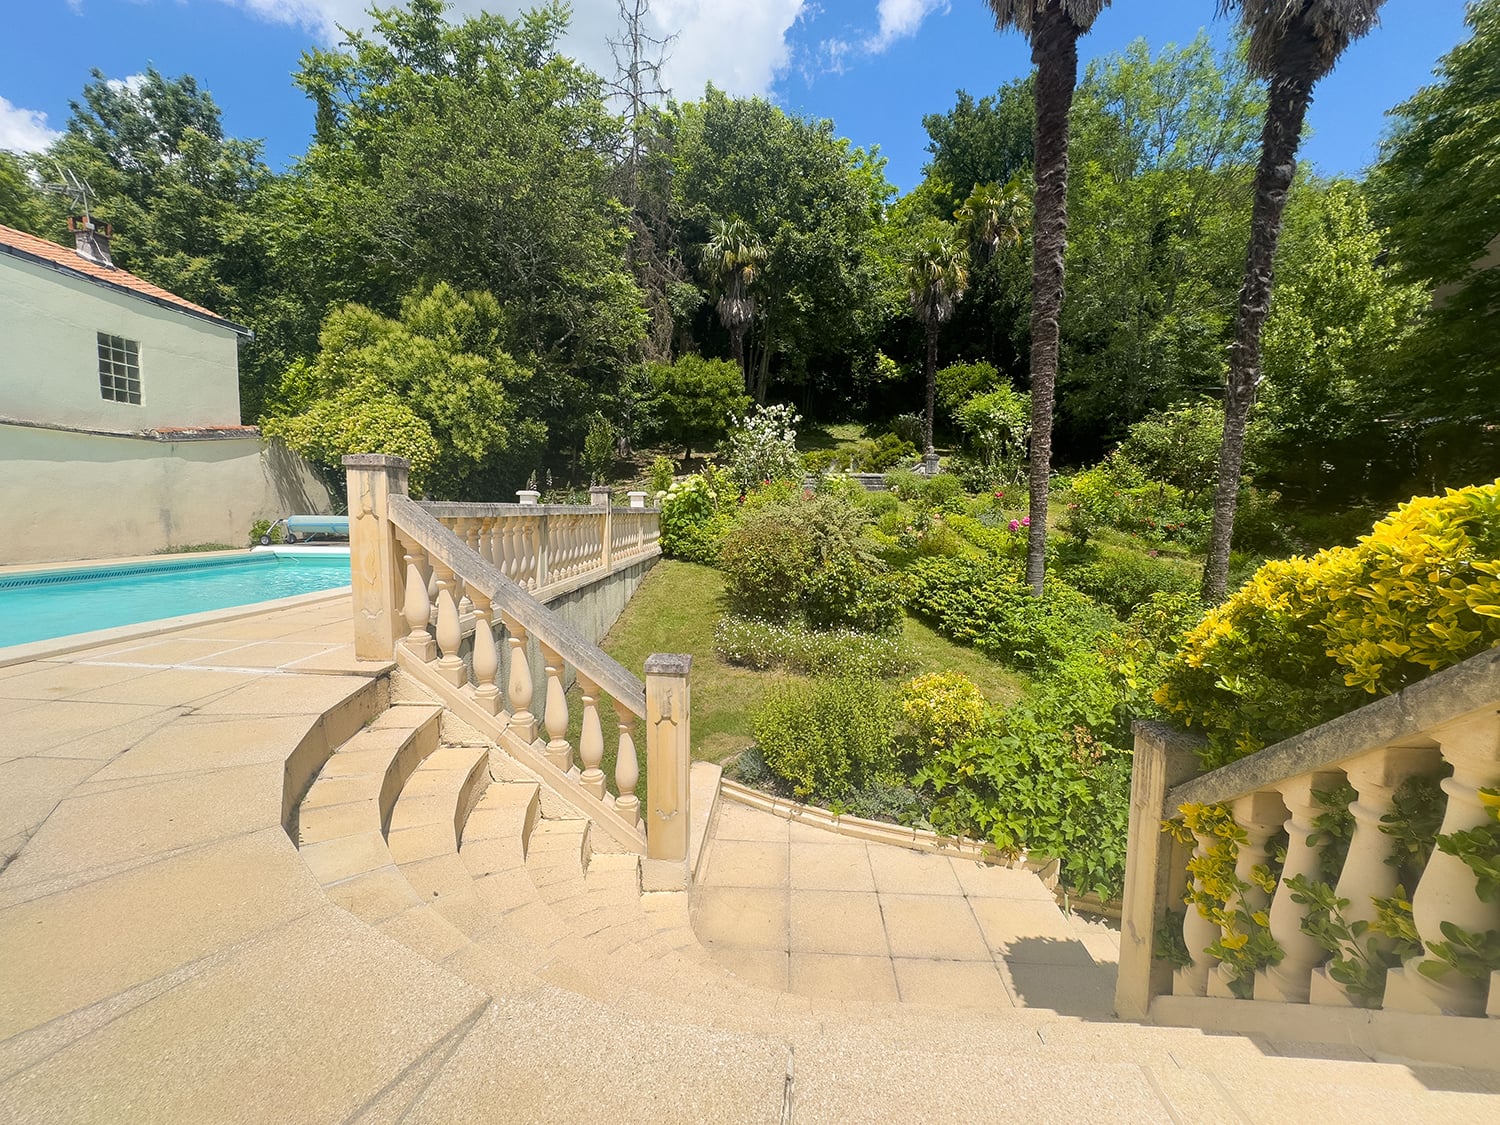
x=169, y=956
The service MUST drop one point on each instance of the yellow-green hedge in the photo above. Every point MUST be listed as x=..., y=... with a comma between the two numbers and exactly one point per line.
x=1307, y=639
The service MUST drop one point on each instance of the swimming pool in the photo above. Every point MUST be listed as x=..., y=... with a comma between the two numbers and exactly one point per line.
x=40, y=605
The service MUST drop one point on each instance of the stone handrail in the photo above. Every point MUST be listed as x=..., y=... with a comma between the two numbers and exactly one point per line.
x=1447, y=724
x=438, y=587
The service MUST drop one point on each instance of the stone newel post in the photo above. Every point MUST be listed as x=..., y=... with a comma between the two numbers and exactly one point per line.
x=374, y=558
x=668, y=770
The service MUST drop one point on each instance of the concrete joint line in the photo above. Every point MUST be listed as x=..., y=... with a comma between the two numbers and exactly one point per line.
x=786, y=1089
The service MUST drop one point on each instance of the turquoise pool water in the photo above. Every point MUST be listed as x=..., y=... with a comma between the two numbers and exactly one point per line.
x=40, y=605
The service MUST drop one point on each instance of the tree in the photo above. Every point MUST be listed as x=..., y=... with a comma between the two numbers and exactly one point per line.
x=696, y=397
x=733, y=258
x=1325, y=423
x=983, y=142
x=936, y=277
x=437, y=380
x=1434, y=187
x=992, y=217
x=1053, y=28
x=1293, y=44
x=816, y=203
x=19, y=205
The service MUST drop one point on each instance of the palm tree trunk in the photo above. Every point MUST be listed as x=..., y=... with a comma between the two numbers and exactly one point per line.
x=737, y=350
x=1054, y=50
x=1286, y=108
x=932, y=342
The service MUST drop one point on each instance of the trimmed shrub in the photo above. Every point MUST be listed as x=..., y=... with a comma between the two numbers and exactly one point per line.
x=1307, y=639
x=766, y=561
x=1123, y=580
x=829, y=738
x=941, y=708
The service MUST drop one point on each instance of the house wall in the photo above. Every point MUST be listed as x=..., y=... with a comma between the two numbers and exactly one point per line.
x=49, y=366
x=70, y=496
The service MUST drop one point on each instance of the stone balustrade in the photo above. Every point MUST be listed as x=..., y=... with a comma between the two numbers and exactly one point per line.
x=1444, y=729
x=450, y=590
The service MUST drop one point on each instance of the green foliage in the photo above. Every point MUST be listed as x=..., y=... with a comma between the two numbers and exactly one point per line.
x=697, y=398
x=1307, y=639
x=1471, y=955
x=1179, y=445
x=988, y=141
x=434, y=386
x=828, y=738
x=996, y=425
x=755, y=643
x=659, y=475
x=987, y=604
x=1416, y=814
x=692, y=519
x=959, y=382
x=941, y=709
x=808, y=557
x=599, y=447
x=1362, y=952
x=1123, y=580
x=1479, y=847
x=1333, y=828
x=1434, y=169
x=20, y=205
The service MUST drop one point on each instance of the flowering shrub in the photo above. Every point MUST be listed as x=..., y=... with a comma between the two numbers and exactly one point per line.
x=1307, y=639
x=941, y=708
x=691, y=520
x=762, y=446
x=753, y=643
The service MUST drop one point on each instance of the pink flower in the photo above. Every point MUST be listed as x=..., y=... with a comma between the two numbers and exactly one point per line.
x=1014, y=525
x=1025, y=521
x=999, y=494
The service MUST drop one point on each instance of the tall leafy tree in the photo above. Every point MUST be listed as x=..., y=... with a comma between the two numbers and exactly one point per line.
x=992, y=217
x=937, y=274
x=1053, y=28
x=988, y=141
x=733, y=258
x=1436, y=188
x=1293, y=44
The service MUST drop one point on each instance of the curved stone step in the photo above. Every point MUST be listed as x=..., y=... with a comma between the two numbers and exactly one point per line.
x=426, y=824
x=341, y=822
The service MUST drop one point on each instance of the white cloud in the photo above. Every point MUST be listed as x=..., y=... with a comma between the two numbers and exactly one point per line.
x=900, y=19
x=740, y=48
x=24, y=130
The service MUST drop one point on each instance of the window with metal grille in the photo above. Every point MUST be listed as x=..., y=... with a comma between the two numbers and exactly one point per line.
x=119, y=369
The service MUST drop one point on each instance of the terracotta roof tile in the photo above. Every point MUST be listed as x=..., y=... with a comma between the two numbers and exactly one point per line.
x=50, y=253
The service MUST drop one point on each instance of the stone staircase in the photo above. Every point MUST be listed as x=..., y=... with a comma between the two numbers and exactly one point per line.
x=448, y=848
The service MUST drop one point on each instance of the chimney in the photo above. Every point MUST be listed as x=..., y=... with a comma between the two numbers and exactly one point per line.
x=92, y=240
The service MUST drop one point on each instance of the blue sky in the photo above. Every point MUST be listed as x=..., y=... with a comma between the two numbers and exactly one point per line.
x=873, y=66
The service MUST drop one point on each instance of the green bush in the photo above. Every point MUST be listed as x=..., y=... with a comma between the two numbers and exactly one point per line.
x=1123, y=580
x=599, y=447
x=659, y=476
x=847, y=591
x=828, y=738
x=696, y=397
x=767, y=560
x=692, y=521
x=987, y=603
x=260, y=527
x=753, y=643
x=959, y=382
x=941, y=709
x=1307, y=639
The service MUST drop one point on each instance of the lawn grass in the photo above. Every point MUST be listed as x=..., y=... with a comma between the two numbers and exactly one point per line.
x=675, y=609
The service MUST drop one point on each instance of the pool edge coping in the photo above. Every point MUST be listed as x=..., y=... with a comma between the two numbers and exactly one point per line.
x=75, y=642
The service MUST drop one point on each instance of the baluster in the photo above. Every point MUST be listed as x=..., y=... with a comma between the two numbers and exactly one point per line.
x=486, y=655
x=1367, y=876
x=1290, y=979
x=1198, y=933
x=627, y=766
x=559, y=752
x=1448, y=889
x=591, y=739
x=449, y=634
x=417, y=609
x=505, y=547
x=518, y=685
x=1260, y=816
x=526, y=553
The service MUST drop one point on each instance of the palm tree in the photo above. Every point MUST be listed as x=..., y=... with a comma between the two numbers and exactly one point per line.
x=1293, y=43
x=1053, y=28
x=733, y=258
x=991, y=217
x=936, y=277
